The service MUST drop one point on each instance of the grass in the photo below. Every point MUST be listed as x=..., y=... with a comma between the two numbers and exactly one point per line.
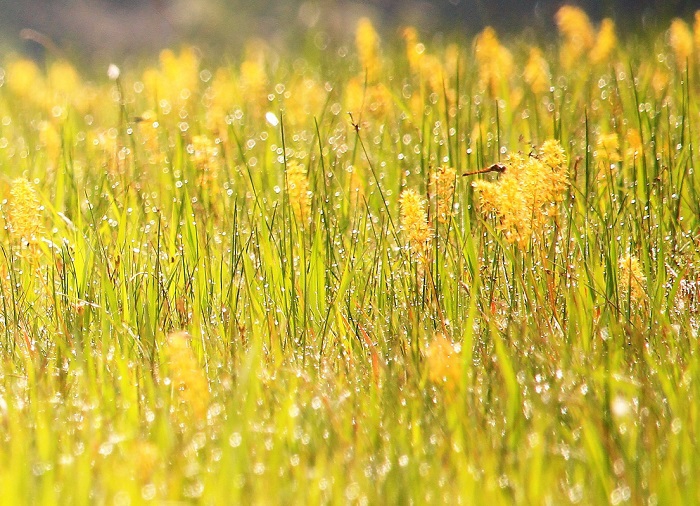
x=342, y=360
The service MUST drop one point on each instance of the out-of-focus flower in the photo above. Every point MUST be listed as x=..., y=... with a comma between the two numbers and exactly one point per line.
x=495, y=61
x=605, y=42
x=576, y=29
x=680, y=39
x=536, y=72
x=367, y=44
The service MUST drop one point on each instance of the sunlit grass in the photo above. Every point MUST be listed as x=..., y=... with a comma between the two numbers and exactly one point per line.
x=267, y=280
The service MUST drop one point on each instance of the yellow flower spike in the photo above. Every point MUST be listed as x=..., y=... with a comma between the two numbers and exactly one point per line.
x=414, y=221
x=536, y=72
x=495, y=61
x=63, y=78
x=188, y=380
x=367, y=44
x=414, y=49
x=24, y=79
x=605, y=42
x=443, y=363
x=298, y=191
x=576, y=29
x=526, y=196
x=696, y=31
x=608, y=147
x=681, y=41
x=632, y=281
x=25, y=213
x=442, y=186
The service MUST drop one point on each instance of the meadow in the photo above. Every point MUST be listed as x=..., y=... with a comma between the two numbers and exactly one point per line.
x=379, y=271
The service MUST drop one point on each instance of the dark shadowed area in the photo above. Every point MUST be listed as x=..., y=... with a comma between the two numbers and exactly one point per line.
x=103, y=29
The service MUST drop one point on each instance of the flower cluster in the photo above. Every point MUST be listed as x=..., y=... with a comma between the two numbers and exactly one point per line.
x=187, y=377
x=526, y=196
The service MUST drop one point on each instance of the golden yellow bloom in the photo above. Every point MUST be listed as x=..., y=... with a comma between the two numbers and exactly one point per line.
x=681, y=41
x=221, y=101
x=442, y=186
x=146, y=457
x=374, y=99
x=367, y=44
x=608, y=148
x=696, y=31
x=306, y=100
x=205, y=158
x=536, y=72
x=632, y=281
x=634, y=145
x=443, y=362
x=188, y=380
x=526, y=196
x=181, y=71
x=578, y=34
x=414, y=49
x=414, y=221
x=25, y=213
x=24, y=79
x=298, y=191
x=148, y=128
x=254, y=80
x=63, y=78
x=605, y=42
x=495, y=61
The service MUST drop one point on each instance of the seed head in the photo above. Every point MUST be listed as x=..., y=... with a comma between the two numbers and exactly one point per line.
x=442, y=183
x=298, y=191
x=367, y=44
x=605, y=42
x=414, y=221
x=526, y=196
x=188, y=380
x=443, y=362
x=681, y=41
x=25, y=213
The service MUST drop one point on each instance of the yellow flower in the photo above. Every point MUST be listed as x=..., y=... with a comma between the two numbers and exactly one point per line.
x=63, y=78
x=578, y=34
x=536, y=72
x=298, y=191
x=414, y=49
x=25, y=213
x=367, y=44
x=443, y=362
x=495, y=61
x=608, y=148
x=634, y=145
x=188, y=380
x=605, y=42
x=526, y=196
x=25, y=80
x=205, y=158
x=442, y=186
x=681, y=41
x=375, y=99
x=414, y=221
x=632, y=281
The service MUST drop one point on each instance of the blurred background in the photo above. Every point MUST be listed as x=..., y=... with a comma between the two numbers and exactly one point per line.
x=106, y=30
